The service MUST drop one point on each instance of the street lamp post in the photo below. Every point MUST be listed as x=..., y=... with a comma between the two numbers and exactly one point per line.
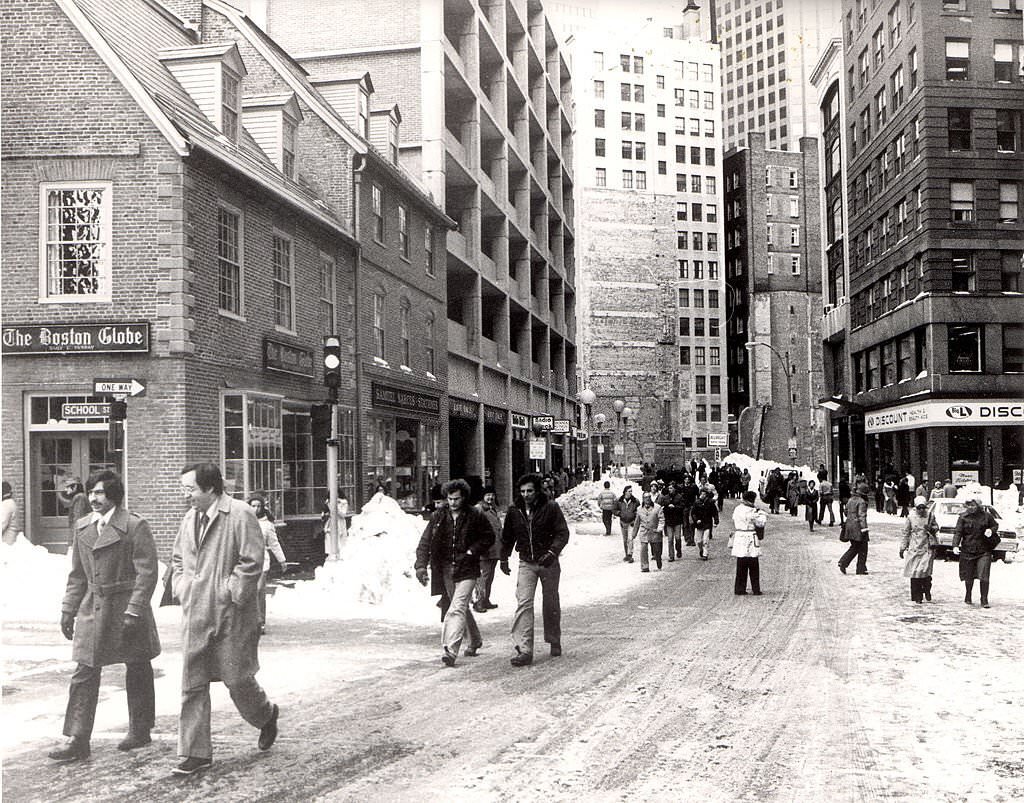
x=599, y=420
x=618, y=406
x=587, y=397
x=789, y=388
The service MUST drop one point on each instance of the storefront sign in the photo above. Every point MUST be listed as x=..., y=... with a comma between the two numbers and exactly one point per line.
x=561, y=426
x=538, y=448
x=278, y=356
x=1018, y=477
x=457, y=408
x=496, y=416
x=399, y=399
x=951, y=412
x=580, y=434
x=963, y=476
x=520, y=421
x=70, y=410
x=79, y=338
x=545, y=423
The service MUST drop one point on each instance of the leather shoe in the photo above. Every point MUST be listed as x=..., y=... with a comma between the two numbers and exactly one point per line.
x=74, y=750
x=492, y=605
x=842, y=568
x=556, y=650
x=134, y=739
x=473, y=650
x=447, y=658
x=521, y=658
x=192, y=765
x=479, y=608
x=268, y=733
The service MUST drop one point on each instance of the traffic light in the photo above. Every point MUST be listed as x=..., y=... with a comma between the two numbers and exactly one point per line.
x=118, y=410
x=115, y=425
x=320, y=422
x=332, y=361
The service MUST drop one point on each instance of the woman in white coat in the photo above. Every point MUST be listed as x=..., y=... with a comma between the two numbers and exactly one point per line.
x=918, y=539
x=745, y=543
x=271, y=544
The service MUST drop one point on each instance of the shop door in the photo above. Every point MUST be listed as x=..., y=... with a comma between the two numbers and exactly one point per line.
x=55, y=458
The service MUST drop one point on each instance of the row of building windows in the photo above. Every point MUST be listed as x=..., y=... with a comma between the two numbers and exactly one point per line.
x=702, y=355
x=380, y=229
x=696, y=241
x=707, y=185
x=695, y=269
x=771, y=202
x=698, y=299
x=698, y=330
x=629, y=121
x=405, y=334
x=631, y=180
x=888, y=230
x=698, y=212
x=761, y=98
x=748, y=52
x=794, y=236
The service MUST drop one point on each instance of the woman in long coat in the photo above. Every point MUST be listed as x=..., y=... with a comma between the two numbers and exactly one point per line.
x=918, y=540
x=650, y=523
x=855, y=530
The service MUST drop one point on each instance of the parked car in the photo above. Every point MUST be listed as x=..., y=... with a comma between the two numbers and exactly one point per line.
x=947, y=511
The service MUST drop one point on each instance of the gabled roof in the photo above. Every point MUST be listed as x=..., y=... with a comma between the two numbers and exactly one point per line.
x=130, y=36
x=284, y=100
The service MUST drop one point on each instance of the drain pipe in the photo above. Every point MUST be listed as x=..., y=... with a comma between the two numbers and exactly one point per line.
x=358, y=165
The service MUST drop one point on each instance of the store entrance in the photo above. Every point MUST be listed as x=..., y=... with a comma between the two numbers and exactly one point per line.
x=57, y=457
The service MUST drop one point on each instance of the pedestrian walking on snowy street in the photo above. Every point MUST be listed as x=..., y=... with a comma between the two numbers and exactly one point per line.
x=810, y=502
x=489, y=561
x=216, y=562
x=648, y=530
x=917, y=548
x=976, y=535
x=107, y=611
x=855, y=530
x=272, y=546
x=745, y=544
x=451, y=545
x=626, y=508
x=606, y=502
x=536, y=529
x=704, y=516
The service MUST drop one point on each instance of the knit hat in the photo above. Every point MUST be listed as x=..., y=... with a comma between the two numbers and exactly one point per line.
x=920, y=501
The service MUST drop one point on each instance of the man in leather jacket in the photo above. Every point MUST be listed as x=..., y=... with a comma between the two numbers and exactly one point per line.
x=535, y=526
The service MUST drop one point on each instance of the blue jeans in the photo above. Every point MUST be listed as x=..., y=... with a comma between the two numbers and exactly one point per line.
x=526, y=590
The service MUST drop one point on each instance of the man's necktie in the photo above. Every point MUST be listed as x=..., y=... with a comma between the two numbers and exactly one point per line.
x=201, y=521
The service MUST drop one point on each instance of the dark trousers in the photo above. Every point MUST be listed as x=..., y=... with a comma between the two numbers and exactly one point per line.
x=745, y=566
x=858, y=550
x=606, y=517
x=823, y=505
x=85, y=691
x=920, y=587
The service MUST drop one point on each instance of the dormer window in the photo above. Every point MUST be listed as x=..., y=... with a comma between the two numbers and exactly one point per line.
x=393, y=140
x=384, y=124
x=349, y=95
x=229, y=105
x=364, y=113
x=273, y=121
x=288, y=148
x=212, y=76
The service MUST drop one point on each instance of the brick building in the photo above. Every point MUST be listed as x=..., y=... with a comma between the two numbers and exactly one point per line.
x=193, y=231
x=928, y=129
x=484, y=92
x=773, y=269
x=652, y=291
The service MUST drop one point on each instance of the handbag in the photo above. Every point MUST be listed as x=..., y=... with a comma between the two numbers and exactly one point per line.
x=843, y=536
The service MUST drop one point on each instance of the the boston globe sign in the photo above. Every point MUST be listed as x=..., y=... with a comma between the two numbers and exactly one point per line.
x=951, y=412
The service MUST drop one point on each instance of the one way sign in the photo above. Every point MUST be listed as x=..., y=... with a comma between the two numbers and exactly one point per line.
x=118, y=387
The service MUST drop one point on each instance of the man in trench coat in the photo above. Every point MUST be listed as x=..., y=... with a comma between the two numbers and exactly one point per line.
x=109, y=592
x=216, y=563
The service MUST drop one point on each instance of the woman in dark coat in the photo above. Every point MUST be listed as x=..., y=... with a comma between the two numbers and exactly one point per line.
x=855, y=530
x=672, y=504
x=810, y=501
x=976, y=535
x=904, y=496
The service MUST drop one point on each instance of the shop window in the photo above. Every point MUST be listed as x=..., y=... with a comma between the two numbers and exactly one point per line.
x=380, y=455
x=253, y=447
x=964, y=348
x=965, y=448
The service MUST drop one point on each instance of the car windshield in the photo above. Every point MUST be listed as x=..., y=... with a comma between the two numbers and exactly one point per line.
x=956, y=508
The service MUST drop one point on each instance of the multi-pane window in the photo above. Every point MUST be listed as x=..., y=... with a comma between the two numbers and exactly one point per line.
x=683, y=240
x=794, y=264
x=713, y=327
x=660, y=81
x=378, y=325
x=598, y=90
x=403, y=230
x=889, y=363
x=684, y=327
x=428, y=343
x=709, y=100
x=1011, y=267
x=716, y=384
x=640, y=122
x=627, y=179
x=711, y=210
x=660, y=110
x=627, y=149
x=701, y=410
x=794, y=206
x=712, y=241
x=682, y=211
x=962, y=271
x=698, y=269
x=229, y=104
x=288, y=149
x=627, y=121
x=600, y=177
x=716, y=412
x=641, y=179
x=695, y=183
x=694, y=99
x=641, y=150
x=895, y=26
x=698, y=299
x=1006, y=130
x=624, y=62
x=1006, y=6
x=697, y=211
x=896, y=88
x=695, y=156
x=624, y=92
x=712, y=269
x=794, y=235
x=638, y=93
x=794, y=180
x=684, y=297
x=327, y=292
x=283, y=281
x=406, y=336
x=700, y=384
x=428, y=249
x=1009, y=207
x=599, y=147
x=713, y=299
x=700, y=354
x=964, y=348
x=77, y=242
x=1002, y=55
x=710, y=184
x=684, y=355
x=959, y=126
x=598, y=118
x=912, y=60
x=698, y=328
x=598, y=61
x=961, y=201
x=377, y=212
x=229, y=260
x=638, y=65
x=958, y=59
x=878, y=45
x=698, y=241
x=661, y=137
x=684, y=268
x=716, y=354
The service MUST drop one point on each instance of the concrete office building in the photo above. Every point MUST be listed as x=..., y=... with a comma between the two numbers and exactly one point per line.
x=485, y=95
x=652, y=293
x=772, y=252
x=769, y=49
x=932, y=120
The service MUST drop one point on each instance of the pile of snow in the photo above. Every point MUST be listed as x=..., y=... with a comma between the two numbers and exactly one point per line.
x=759, y=468
x=580, y=503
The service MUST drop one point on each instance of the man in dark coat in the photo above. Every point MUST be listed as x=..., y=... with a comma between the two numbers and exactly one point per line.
x=452, y=543
x=855, y=530
x=110, y=588
x=217, y=561
x=536, y=528
x=976, y=535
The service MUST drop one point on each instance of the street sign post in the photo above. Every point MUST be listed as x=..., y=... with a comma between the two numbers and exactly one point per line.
x=118, y=387
x=718, y=440
x=72, y=410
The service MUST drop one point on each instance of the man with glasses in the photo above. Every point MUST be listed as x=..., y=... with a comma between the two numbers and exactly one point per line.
x=217, y=562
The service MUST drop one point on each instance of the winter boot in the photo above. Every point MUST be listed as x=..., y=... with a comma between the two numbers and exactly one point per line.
x=969, y=585
x=984, y=594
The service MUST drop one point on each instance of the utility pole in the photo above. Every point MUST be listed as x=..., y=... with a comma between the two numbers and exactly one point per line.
x=332, y=379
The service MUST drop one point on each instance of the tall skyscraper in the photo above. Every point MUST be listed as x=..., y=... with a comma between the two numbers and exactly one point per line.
x=652, y=293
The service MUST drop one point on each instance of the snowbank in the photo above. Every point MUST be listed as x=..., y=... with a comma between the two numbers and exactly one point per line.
x=580, y=503
x=759, y=468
